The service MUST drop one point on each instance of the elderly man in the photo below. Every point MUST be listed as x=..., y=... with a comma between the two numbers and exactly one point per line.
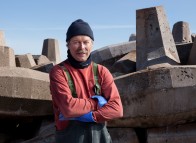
x=84, y=94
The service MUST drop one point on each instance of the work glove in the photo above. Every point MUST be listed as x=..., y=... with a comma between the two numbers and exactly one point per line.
x=101, y=100
x=88, y=117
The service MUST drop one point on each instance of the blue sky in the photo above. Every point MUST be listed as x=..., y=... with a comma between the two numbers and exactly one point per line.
x=27, y=23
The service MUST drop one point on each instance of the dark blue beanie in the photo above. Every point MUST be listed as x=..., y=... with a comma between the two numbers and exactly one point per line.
x=79, y=27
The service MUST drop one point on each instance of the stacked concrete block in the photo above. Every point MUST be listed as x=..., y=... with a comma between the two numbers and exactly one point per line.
x=40, y=59
x=51, y=50
x=159, y=97
x=184, y=50
x=7, y=57
x=173, y=134
x=154, y=41
x=193, y=35
x=24, y=92
x=132, y=37
x=25, y=61
x=125, y=65
x=183, y=39
x=181, y=32
x=192, y=56
x=123, y=135
x=108, y=55
x=6, y=53
x=2, y=39
x=43, y=63
x=45, y=67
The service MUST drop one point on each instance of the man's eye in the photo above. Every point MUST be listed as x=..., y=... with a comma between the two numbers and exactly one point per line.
x=86, y=42
x=75, y=42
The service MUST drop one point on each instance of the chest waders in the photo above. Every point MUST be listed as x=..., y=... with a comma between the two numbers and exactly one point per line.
x=83, y=132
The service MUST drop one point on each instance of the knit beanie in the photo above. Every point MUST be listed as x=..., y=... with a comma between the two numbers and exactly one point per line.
x=79, y=27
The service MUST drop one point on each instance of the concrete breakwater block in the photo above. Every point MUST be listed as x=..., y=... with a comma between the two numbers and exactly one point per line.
x=157, y=97
x=24, y=92
x=174, y=134
x=112, y=52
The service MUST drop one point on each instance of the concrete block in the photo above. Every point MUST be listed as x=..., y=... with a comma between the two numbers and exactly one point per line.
x=132, y=37
x=158, y=97
x=7, y=57
x=181, y=32
x=193, y=35
x=40, y=59
x=110, y=52
x=2, y=39
x=126, y=64
x=184, y=50
x=25, y=61
x=123, y=135
x=192, y=56
x=24, y=92
x=51, y=50
x=155, y=43
x=173, y=134
x=46, y=67
x=108, y=55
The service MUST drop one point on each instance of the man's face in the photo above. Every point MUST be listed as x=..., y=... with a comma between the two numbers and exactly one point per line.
x=80, y=47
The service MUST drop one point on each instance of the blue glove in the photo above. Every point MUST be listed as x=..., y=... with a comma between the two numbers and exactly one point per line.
x=88, y=117
x=62, y=118
x=101, y=100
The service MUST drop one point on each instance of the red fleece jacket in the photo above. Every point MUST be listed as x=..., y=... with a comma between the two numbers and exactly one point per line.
x=83, y=79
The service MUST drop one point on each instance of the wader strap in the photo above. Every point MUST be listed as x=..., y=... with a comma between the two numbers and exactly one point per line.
x=70, y=82
x=97, y=88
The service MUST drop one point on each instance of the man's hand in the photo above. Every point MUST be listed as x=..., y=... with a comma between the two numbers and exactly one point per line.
x=88, y=117
x=101, y=100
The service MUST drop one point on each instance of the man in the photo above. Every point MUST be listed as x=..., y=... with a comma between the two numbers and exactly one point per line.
x=82, y=101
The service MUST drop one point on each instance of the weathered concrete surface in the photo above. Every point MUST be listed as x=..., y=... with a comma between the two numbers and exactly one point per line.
x=24, y=92
x=154, y=40
x=181, y=32
x=7, y=57
x=40, y=59
x=25, y=61
x=126, y=64
x=157, y=97
x=173, y=134
x=51, y=50
x=193, y=35
x=132, y=37
x=192, y=59
x=123, y=135
x=2, y=38
x=109, y=52
x=184, y=50
x=46, y=67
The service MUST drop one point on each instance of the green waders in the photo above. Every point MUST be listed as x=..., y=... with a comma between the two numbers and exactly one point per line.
x=82, y=132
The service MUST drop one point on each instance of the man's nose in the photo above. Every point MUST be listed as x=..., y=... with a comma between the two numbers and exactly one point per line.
x=82, y=45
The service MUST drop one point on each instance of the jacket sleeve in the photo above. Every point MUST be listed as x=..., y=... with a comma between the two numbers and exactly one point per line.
x=62, y=97
x=113, y=109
